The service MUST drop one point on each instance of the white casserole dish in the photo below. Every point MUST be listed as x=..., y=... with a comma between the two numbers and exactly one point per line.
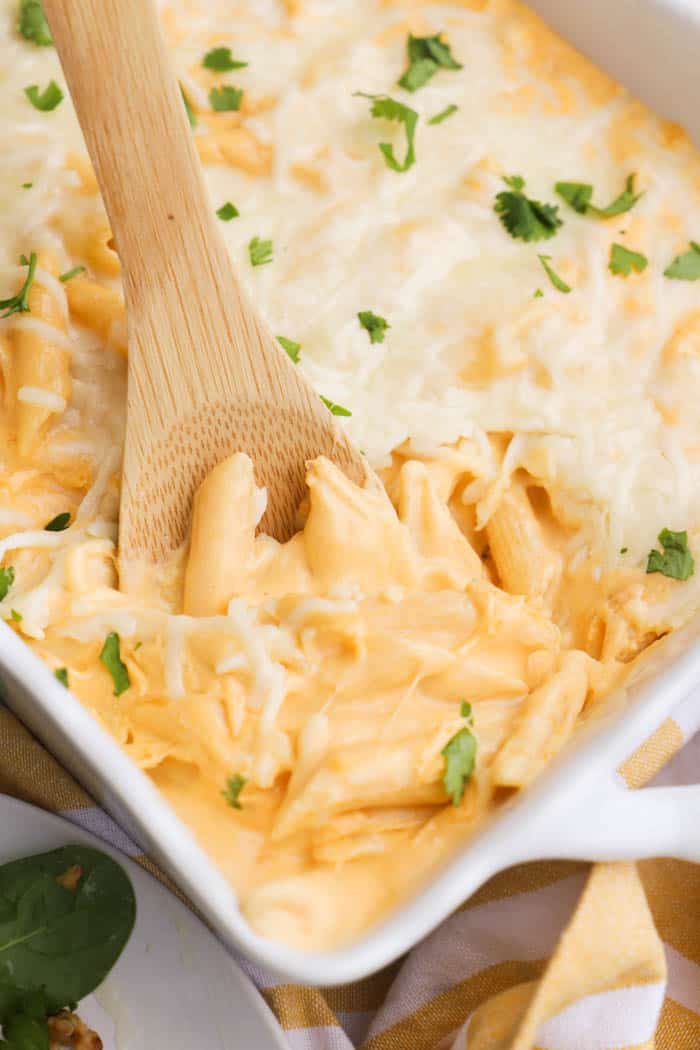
x=578, y=808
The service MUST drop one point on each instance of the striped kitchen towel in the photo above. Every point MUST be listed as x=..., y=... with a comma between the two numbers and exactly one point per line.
x=545, y=956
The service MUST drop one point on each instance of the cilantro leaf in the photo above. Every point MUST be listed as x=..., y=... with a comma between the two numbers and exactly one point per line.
x=460, y=757
x=189, y=110
x=676, y=560
x=232, y=791
x=260, y=252
x=577, y=195
x=333, y=408
x=70, y=274
x=376, y=326
x=291, y=347
x=19, y=304
x=32, y=23
x=47, y=99
x=554, y=277
x=227, y=212
x=523, y=218
x=626, y=200
x=426, y=55
x=443, y=114
x=7, y=578
x=61, y=674
x=59, y=523
x=16, y=616
x=221, y=60
x=387, y=108
x=686, y=267
x=623, y=261
x=111, y=658
x=225, y=99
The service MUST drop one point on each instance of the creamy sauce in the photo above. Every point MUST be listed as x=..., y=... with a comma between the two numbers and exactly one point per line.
x=531, y=447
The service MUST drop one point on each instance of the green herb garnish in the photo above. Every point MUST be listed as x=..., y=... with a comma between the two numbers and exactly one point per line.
x=111, y=658
x=554, y=277
x=70, y=274
x=19, y=304
x=260, y=252
x=221, y=60
x=234, y=786
x=32, y=23
x=524, y=218
x=16, y=616
x=676, y=560
x=686, y=267
x=579, y=196
x=426, y=55
x=7, y=578
x=443, y=114
x=59, y=523
x=189, y=109
x=460, y=757
x=623, y=261
x=333, y=408
x=61, y=674
x=375, y=326
x=292, y=348
x=225, y=99
x=386, y=108
x=227, y=212
x=47, y=99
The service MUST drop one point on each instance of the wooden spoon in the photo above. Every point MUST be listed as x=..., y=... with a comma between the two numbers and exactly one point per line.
x=206, y=377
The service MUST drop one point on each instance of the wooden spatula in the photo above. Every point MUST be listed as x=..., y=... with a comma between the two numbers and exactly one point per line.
x=206, y=377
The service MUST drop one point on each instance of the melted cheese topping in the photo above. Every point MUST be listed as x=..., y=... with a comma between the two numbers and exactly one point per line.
x=531, y=447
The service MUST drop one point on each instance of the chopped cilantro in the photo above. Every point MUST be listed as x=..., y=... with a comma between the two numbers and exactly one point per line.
x=465, y=710
x=232, y=791
x=19, y=304
x=221, y=60
x=375, y=326
x=676, y=560
x=443, y=114
x=333, y=408
x=7, y=578
x=225, y=99
x=260, y=252
x=623, y=550
x=111, y=658
x=291, y=347
x=579, y=196
x=32, y=23
x=61, y=673
x=387, y=108
x=686, y=267
x=623, y=261
x=59, y=523
x=16, y=616
x=539, y=294
x=189, y=109
x=227, y=212
x=523, y=218
x=27, y=185
x=460, y=757
x=554, y=277
x=47, y=99
x=70, y=274
x=426, y=54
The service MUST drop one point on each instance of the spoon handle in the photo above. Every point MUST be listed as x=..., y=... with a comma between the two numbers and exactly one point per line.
x=144, y=156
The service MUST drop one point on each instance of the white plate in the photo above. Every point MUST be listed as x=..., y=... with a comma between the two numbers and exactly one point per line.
x=175, y=987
